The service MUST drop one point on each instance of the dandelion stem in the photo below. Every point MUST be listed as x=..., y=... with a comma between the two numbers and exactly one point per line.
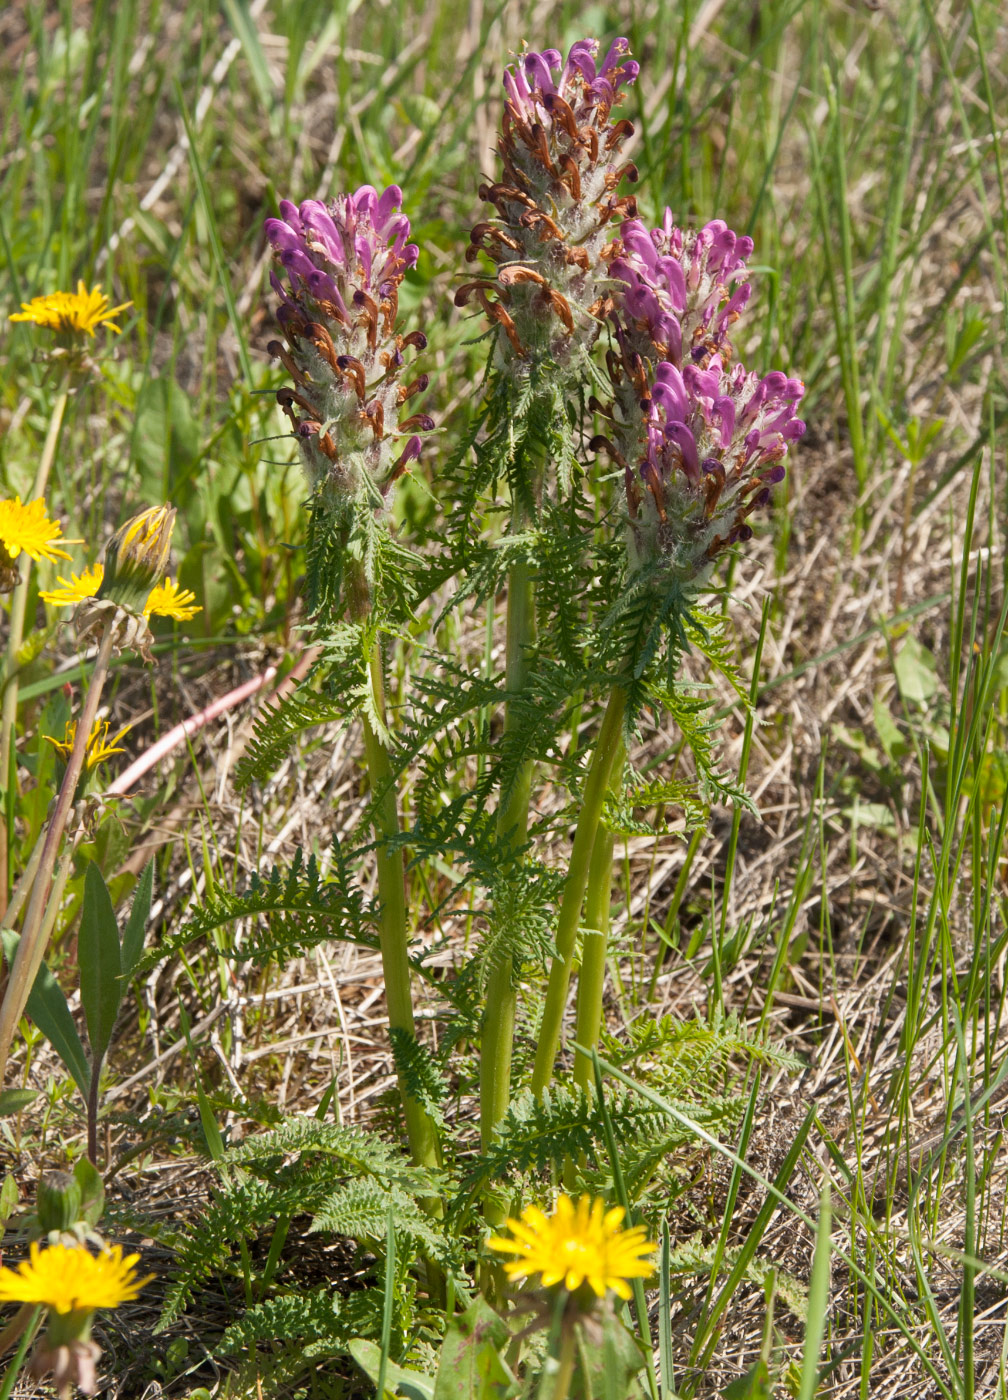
x=35, y=929
x=609, y=744
x=19, y=600
x=512, y=828
x=392, y=932
x=591, y=978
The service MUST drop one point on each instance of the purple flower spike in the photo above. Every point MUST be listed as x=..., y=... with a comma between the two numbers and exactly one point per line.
x=711, y=454
x=689, y=273
x=701, y=441
x=557, y=204
x=345, y=261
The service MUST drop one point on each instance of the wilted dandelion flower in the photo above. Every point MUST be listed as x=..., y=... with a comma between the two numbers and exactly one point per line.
x=556, y=199
x=72, y=1283
x=97, y=749
x=345, y=261
x=26, y=529
x=577, y=1245
x=164, y=600
x=76, y=312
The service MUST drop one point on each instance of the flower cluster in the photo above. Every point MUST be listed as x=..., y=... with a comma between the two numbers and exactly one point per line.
x=73, y=313
x=577, y=1245
x=556, y=200
x=701, y=440
x=26, y=530
x=345, y=261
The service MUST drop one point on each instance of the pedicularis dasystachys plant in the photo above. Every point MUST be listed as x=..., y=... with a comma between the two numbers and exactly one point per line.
x=577, y=290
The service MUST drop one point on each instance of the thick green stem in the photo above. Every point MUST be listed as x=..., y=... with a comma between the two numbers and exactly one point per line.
x=35, y=929
x=591, y=978
x=609, y=744
x=512, y=828
x=392, y=930
x=19, y=600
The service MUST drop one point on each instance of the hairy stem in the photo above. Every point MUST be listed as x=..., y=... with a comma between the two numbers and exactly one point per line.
x=19, y=600
x=609, y=744
x=591, y=978
x=512, y=827
x=392, y=930
x=35, y=929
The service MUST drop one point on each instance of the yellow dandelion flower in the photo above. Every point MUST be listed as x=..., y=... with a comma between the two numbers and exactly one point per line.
x=98, y=747
x=169, y=600
x=74, y=589
x=577, y=1244
x=164, y=600
x=27, y=529
x=69, y=1279
x=80, y=311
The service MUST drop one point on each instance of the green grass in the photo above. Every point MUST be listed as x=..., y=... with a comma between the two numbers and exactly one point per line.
x=861, y=921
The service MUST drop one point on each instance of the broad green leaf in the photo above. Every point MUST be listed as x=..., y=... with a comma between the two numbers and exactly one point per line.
x=8, y=1190
x=916, y=672
x=15, y=1100
x=472, y=1366
x=89, y=1179
x=100, y=960
x=754, y=1385
x=8, y=1197
x=610, y=1360
x=47, y=1007
x=136, y=924
x=399, y=1383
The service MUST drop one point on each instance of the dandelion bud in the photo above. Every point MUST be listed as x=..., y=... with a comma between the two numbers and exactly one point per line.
x=345, y=261
x=58, y=1201
x=136, y=556
x=557, y=200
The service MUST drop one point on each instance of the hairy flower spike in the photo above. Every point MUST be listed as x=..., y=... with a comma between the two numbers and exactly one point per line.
x=701, y=440
x=556, y=200
x=679, y=287
x=345, y=262
x=716, y=440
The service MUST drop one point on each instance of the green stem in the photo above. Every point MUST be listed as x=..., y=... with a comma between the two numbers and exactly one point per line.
x=392, y=932
x=27, y=1335
x=512, y=828
x=564, y=1373
x=591, y=978
x=35, y=929
x=19, y=601
x=609, y=744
